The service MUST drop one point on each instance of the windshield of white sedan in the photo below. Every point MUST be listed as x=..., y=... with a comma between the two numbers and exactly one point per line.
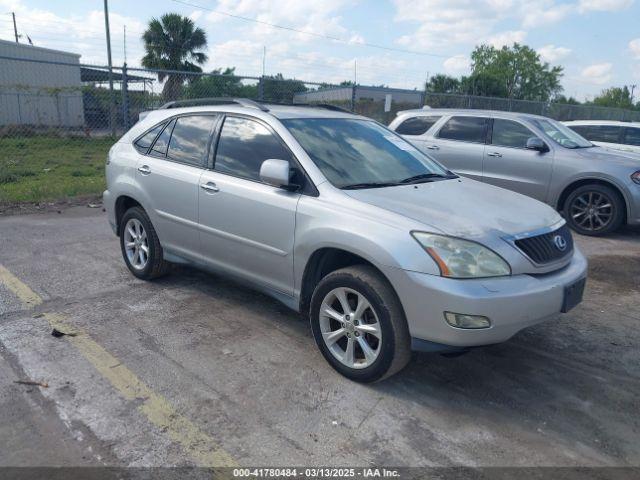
x=562, y=134
x=354, y=153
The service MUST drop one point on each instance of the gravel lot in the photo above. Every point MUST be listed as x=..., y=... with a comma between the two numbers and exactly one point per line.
x=193, y=369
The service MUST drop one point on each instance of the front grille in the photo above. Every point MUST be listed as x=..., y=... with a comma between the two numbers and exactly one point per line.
x=546, y=248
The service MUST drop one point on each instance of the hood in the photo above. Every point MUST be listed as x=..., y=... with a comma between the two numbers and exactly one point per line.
x=462, y=207
x=617, y=157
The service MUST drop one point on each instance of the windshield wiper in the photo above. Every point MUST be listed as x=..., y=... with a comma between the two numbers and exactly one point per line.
x=425, y=177
x=357, y=186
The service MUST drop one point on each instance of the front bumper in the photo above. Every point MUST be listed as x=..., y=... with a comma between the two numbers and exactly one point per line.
x=512, y=303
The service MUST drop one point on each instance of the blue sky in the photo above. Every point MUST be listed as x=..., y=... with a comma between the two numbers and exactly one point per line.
x=597, y=41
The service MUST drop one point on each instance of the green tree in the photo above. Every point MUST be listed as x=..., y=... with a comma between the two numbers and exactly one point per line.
x=618, y=97
x=174, y=43
x=280, y=90
x=441, y=83
x=220, y=83
x=516, y=72
x=566, y=100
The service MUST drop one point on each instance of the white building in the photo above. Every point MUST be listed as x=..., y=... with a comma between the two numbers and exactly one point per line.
x=41, y=87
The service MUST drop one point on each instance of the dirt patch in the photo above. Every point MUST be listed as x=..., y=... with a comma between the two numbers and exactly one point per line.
x=48, y=207
x=621, y=272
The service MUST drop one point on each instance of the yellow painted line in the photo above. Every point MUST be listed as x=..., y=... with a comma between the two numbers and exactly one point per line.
x=198, y=445
x=28, y=297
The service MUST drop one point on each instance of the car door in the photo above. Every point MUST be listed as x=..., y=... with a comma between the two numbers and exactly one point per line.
x=459, y=144
x=169, y=175
x=246, y=226
x=509, y=164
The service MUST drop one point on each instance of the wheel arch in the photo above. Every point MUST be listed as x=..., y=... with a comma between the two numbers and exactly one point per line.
x=566, y=191
x=122, y=204
x=325, y=260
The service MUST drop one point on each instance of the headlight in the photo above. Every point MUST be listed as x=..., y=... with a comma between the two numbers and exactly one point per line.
x=458, y=258
x=635, y=177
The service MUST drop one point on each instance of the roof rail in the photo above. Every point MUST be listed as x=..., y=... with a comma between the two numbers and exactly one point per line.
x=193, y=102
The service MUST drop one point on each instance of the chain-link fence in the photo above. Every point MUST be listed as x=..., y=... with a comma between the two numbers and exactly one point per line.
x=59, y=118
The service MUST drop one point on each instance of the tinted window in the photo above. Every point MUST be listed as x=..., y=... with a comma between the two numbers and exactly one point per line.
x=416, y=125
x=465, y=129
x=190, y=137
x=244, y=144
x=160, y=147
x=632, y=136
x=604, y=133
x=510, y=134
x=145, y=141
x=354, y=152
x=583, y=130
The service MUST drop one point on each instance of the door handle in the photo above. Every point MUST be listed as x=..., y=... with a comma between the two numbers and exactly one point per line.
x=494, y=154
x=433, y=147
x=209, y=187
x=144, y=169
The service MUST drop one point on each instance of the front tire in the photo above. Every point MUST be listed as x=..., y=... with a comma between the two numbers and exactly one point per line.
x=359, y=325
x=594, y=210
x=140, y=245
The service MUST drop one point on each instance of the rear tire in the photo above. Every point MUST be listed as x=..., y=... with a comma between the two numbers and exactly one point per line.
x=369, y=341
x=594, y=210
x=140, y=245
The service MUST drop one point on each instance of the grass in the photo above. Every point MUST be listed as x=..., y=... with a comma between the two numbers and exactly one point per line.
x=47, y=168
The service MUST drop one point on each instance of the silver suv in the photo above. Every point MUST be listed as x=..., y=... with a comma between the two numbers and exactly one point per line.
x=384, y=249
x=596, y=189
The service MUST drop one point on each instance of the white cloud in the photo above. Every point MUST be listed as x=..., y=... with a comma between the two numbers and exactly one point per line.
x=507, y=38
x=598, y=73
x=458, y=64
x=544, y=12
x=634, y=47
x=604, y=5
x=552, y=54
x=309, y=16
x=445, y=22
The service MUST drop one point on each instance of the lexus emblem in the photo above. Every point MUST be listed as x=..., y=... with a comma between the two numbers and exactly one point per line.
x=560, y=243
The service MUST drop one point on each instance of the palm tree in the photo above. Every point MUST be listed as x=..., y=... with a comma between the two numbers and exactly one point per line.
x=174, y=43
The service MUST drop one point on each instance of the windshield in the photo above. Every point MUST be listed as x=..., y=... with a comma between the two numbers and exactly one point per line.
x=354, y=153
x=562, y=135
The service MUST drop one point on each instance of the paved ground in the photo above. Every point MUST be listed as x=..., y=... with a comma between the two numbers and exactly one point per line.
x=195, y=370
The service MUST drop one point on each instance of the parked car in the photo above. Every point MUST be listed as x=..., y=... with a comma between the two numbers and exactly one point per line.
x=624, y=136
x=381, y=247
x=596, y=190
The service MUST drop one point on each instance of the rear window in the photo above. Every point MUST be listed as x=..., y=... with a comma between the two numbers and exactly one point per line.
x=465, y=129
x=146, y=140
x=159, y=148
x=190, y=139
x=604, y=133
x=416, y=125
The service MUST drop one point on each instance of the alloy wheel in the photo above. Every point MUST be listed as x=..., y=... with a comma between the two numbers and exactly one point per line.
x=592, y=211
x=136, y=245
x=350, y=328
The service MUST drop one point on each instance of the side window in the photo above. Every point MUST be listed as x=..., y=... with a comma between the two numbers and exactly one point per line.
x=507, y=133
x=465, y=129
x=604, y=133
x=189, y=139
x=244, y=144
x=159, y=148
x=582, y=130
x=145, y=141
x=632, y=136
x=416, y=125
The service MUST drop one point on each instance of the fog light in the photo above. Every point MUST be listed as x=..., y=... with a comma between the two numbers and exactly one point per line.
x=460, y=320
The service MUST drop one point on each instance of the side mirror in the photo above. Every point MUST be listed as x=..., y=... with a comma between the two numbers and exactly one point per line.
x=535, y=143
x=275, y=172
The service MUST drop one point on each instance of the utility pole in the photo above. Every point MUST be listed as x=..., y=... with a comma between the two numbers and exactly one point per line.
x=15, y=28
x=124, y=38
x=113, y=99
x=264, y=58
x=355, y=71
x=633, y=87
